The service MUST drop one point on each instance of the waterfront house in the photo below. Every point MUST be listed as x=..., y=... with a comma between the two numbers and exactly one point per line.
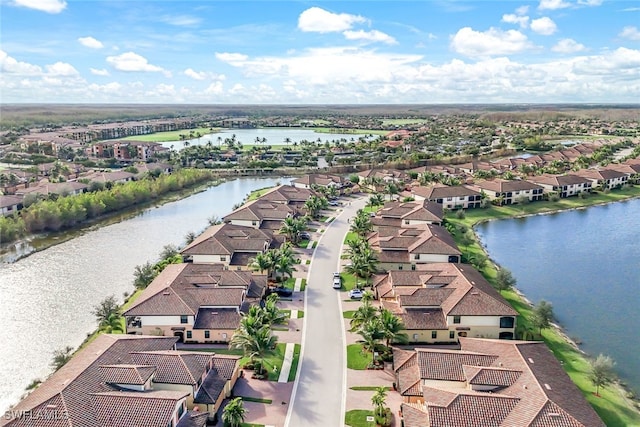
x=404, y=248
x=127, y=381
x=10, y=205
x=313, y=180
x=441, y=302
x=630, y=167
x=564, y=185
x=488, y=383
x=604, y=178
x=288, y=195
x=199, y=303
x=261, y=214
x=374, y=179
x=507, y=192
x=112, y=177
x=450, y=197
x=68, y=188
x=407, y=214
x=230, y=245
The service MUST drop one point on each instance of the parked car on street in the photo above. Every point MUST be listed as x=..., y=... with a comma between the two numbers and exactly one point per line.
x=282, y=291
x=304, y=235
x=355, y=294
x=337, y=281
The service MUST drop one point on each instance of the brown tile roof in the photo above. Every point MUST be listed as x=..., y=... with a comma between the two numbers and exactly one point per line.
x=217, y=318
x=472, y=410
x=193, y=419
x=287, y=194
x=504, y=186
x=414, y=415
x=258, y=210
x=173, y=366
x=226, y=239
x=558, y=180
x=447, y=365
x=600, y=173
x=319, y=179
x=490, y=376
x=134, y=409
x=421, y=319
x=441, y=191
x=6, y=201
x=213, y=384
x=420, y=239
x=417, y=211
x=126, y=374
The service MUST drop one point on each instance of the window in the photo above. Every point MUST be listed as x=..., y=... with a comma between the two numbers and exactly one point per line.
x=224, y=336
x=415, y=337
x=183, y=319
x=189, y=334
x=406, y=221
x=507, y=322
x=456, y=319
x=223, y=258
x=452, y=334
x=416, y=256
x=207, y=334
x=413, y=266
x=253, y=223
x=400, y=267
x=434, y=334
x=449, y=199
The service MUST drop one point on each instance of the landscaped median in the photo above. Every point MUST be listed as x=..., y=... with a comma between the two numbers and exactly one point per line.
x=612, y=406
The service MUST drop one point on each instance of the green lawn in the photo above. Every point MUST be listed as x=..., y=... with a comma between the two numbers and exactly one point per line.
x=294, y=363
x=348, y=281
x=356, y=359
x=171, y=135
x=255, y=399
x=367, y=388
x=358, y=418
x=351, y=235
x=612, y=405
x=348, y=314
x=258, y=193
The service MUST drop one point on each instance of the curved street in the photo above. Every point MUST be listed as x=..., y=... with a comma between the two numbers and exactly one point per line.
x=319, y=390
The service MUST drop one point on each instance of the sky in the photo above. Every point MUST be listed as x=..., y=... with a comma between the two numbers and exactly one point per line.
x=320, y=52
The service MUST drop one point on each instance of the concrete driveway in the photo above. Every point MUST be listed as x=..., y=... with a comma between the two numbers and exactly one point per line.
x=318, y=397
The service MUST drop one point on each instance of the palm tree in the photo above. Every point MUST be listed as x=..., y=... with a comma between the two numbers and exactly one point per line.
x=362, y=223
x=392, y=327
x=371, y=334
x=291, y=227
x=272, y=314
x=378, y=400
x=284, y=266
x=112, y=324
x=363, y=315
x=256, y=345
x=262, y=262
x=234, y=413
x=391, y=188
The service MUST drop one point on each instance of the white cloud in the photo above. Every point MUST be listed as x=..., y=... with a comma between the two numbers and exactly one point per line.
x=544, y=26
x=553, y=4
x=522, y=10
x=319, y=20
x=189, y=72
x=568, y=46
x=372, y=36
x=131, y=61
x=231, y=58
x=214, y=89
x=90, y=42
x=590, y=2
x=49, y=6
x=163, y=90
x=511, y=18
x=492, y=42
x=97, y=72
x=181, y=20
x=10, y=65
x=631, y=33
x=62, y=69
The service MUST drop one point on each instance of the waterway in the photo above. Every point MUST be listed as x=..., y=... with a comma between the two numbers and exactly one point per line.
x=587, y=264
x=46, y=299
x=267, y=136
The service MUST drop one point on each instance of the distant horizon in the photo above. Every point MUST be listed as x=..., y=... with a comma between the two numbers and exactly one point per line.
x=290, y=52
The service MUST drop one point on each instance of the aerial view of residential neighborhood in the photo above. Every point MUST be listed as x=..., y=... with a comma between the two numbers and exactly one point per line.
x=319, y=214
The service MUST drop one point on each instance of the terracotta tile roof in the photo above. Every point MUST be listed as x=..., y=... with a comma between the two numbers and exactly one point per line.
x=260, y=210
x=426, y=297
x=417, y=211
x=218, y=318
x=559, y=180
x=287, y=194
x=448, y=365
x=319, y=179
x=226, y=239
x=421, y=319
x=600, y=173
x=490, y=376
x=476, y=410
x=126, y=374
x=135, y=409
x=420, y=239
x=173, y=366
x=441, y=191
x=504, y=186
x=193, y=419
x=213, y=384
x=414, y=415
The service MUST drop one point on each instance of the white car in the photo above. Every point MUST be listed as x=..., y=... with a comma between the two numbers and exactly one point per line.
x=355, y=294
x=337, y=281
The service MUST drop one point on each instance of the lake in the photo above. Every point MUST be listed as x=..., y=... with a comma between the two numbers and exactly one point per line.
x=587, y=264
x=46, y=299
x=273, y=136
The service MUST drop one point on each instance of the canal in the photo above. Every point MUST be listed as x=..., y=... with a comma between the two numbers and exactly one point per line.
x=587, y=264
x=46, y=299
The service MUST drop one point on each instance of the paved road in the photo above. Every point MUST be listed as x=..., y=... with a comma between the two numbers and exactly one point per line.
x=319, y=395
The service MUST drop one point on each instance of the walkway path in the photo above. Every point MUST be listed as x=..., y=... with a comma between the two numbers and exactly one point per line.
x=319, y=391
x=286, y=363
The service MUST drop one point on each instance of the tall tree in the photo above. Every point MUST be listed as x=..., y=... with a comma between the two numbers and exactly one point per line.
x=106, y=308
x=601, y=372
x=505, y=280
x=392, y=328
x=61, y=357
x=542, y=315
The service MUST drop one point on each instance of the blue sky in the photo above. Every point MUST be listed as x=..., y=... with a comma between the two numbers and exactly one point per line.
x=319, y=52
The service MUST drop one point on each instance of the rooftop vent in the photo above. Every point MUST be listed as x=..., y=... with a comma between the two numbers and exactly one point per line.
x=547, y=386
x=166, y=292
x=554, y=414
x=530, y=360
x=52, y=406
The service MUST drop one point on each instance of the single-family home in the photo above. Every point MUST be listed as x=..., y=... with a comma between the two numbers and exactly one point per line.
x=405, y=248
x=129, y=381
x=488, y=383
x=507, y=192
x=608, y=178
x=195, y=302
x=230, y=245
x=68, y=188
x=408, y=214
x=441, y=302
x=313, y=180
x=630, y=167
x=10, y=205
x=449, y=196
x=113, y=177
x=288, y=195
x=374, y=179
x=261, y=214
x=566, y=185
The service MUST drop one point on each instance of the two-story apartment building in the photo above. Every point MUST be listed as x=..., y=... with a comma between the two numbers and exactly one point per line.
x=450, y=197
x=10, y=205
x=230, y=245
x=261, y=214
x=129, y=380
x=564, y=185
x=507, y=192
x=312, y=180
x=439, y=303
x=488, y=383
x=604, y=178
x=405, y=248
x=288, y=194
x=195, y=302
x=408, y=214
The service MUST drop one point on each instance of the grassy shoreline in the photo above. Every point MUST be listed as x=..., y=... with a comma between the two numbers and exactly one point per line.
x=614, y=406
